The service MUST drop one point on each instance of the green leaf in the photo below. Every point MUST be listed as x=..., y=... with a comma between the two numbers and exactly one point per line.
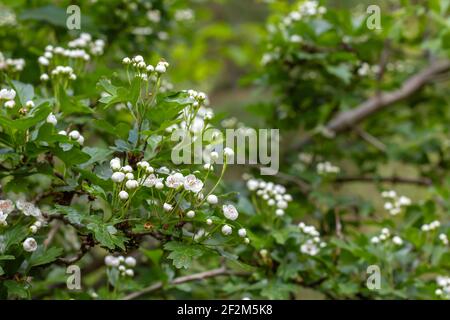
x=182, y=254
x=73, y=215
x=105, y=234
x=276, y=290
x=24, y=91
x=16, y=289
x=71, y=157
x=43, y=256
x=7, y=257
x=168, y=108
x=341, y=71
x=35, y=116
x=71, y=104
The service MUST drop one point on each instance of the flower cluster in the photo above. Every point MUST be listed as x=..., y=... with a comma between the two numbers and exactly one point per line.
x=123, y=265
x=127, y=181
x=11, y=65
x=7, y=17
x=444, y=287
x=312, y=244
x=385, y=235
x=195, y=116
x=431, y=226
x=444, y=239
x=73, y=135
x=145, y=71
x=274, y=194
x=8, y=95
x=6, y=207
x=27, y=208
x=64, y=63
x=85, y=41
x=324, y=168
x=394, y=203
x=184, y=15
x=305, y=9
x=365, y=69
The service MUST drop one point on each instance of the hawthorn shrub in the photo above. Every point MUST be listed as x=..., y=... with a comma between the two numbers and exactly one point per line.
x=93, y=205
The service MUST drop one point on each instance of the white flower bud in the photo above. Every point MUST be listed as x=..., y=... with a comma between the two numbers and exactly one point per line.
x=143, y=164
x=397, y=240
x=226, y=230
x=130, y=261
x=126, y=60
x=209, y=222
x=30, y=104
x=131, y=184
x=74, y=134
x=111, y=261
x=279, y=212
x=375, y=240
x=160, y=68
x=167, y=207
x=44, y=77
x=214, y=156
x=129, y=272
x=228, y=152
x=159, y=185
x=282, y=204
x=212, y=199
x=208, y=166
x=127, y=168
x=242, y=232
x=33, y=229
x=80, y=140
x=190, y=214
x=63, y=133
x=123, y=195
x=138, y=59
x=247, y=240
x=129, y=176
x=10, y=104
x=118, y=177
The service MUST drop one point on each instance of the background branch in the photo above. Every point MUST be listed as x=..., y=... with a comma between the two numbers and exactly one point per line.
x=348, y=119
x=222, y=271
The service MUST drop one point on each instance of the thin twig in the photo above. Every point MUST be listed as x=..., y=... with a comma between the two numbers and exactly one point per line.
x=395, y=180
x=350, y=118
x=222, y=271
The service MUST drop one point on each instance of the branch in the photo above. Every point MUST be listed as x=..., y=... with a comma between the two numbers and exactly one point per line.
x=348, y=119
x=417, y=181
x=86, y=245
x=222, y=271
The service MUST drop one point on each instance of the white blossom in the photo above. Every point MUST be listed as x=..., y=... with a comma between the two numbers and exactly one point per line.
x=30, y=245
x=191, y=183
x=230, y=212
